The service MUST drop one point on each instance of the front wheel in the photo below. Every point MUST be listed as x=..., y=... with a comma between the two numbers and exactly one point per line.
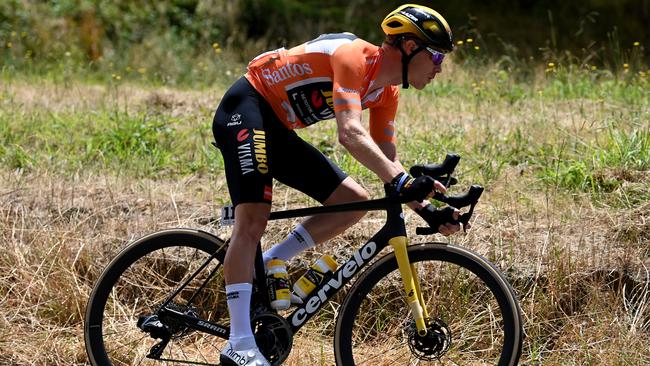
x=474, y=316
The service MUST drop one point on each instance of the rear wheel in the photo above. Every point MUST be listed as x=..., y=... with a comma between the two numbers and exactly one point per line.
x=121, y=321
x=474, y=315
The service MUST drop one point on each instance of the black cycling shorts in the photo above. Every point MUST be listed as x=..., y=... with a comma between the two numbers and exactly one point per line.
x=257, y=147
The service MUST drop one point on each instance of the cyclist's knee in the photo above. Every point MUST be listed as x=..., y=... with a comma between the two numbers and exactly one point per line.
x=347, y=191
x=356, y=191
x=250, y=221
x=361, y=194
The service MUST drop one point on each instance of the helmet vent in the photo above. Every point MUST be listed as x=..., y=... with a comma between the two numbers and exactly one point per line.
x=432, y=26
x=394, y=24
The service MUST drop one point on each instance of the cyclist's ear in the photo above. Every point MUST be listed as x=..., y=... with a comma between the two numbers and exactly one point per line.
x=409, y=45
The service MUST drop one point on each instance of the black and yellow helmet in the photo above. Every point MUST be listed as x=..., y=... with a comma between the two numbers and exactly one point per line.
x=419, y=22
x=422, y=22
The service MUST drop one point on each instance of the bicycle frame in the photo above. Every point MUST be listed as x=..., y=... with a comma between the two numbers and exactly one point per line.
x=393, y=233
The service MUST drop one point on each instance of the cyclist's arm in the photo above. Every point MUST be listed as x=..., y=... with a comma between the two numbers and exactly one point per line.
x=390, y=151
x=382, y=130
x=348, y=65
x=354, y=137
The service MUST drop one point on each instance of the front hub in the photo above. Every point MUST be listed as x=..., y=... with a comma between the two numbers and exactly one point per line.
x=434, y=344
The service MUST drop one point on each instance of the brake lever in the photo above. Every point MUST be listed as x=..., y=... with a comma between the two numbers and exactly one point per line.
x=441, y=172
x=464, y=218
x=458, y=201
x=463, y=200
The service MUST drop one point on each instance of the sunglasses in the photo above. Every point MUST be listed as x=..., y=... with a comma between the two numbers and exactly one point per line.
x=436, y=56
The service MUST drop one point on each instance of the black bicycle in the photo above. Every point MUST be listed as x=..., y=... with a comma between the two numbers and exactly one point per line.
x=162, y=299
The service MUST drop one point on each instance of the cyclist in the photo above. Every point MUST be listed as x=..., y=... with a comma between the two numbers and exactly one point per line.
x=334, y=76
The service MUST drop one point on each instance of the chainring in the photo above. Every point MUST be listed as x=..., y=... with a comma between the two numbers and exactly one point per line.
x=273, y=336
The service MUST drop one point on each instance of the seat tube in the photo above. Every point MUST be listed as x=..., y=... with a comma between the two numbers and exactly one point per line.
x=260, y=276
x=411, y=284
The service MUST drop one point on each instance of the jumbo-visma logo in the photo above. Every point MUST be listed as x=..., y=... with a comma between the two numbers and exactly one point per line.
x=311, y=99
x=242, y=135
x=259, y=144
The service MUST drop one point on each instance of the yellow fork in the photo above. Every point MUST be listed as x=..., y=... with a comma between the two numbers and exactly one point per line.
x=418, y=290
x=411, y=281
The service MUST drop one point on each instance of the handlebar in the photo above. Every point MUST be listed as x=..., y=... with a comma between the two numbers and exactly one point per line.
x=470, y=198
x=443, y=173
x=461, y=200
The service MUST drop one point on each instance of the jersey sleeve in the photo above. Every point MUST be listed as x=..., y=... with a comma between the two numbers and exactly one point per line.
x=348, y=66
x=382, y=116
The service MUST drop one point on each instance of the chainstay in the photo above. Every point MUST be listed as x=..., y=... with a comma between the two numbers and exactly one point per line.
x=186, y=362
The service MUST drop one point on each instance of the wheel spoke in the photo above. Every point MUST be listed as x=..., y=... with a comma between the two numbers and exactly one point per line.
x=466, y=325
x=145, y=281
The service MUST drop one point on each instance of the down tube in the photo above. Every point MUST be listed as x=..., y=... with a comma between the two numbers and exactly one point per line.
x=321, y=294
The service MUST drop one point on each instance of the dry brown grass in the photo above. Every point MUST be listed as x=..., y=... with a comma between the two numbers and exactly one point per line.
x=580, y=269
x=80, y=97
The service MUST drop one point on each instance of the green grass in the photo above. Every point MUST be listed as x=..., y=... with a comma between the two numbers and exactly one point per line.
x=93, y=154
x=558, y=127
x=584, y=167
x=88, y=165
x=141, y=144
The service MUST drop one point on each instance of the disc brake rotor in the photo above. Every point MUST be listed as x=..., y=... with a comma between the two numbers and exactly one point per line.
x=434, y=344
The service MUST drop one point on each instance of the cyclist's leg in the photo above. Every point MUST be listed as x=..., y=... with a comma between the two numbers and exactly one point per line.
x=325, y=227
x=320, y=228
x=312, y=173
x=238, y=128
x=239, y=131
x=250, y=223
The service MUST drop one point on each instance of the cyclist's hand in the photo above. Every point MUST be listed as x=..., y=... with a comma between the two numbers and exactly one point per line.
x=438, y=187
x=444, y=220
x=415, y=189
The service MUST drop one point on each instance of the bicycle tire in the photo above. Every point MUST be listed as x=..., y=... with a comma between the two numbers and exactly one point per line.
x=113, y=294
x=370, y=330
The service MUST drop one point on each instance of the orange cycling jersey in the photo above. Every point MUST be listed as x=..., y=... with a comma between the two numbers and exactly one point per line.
x=334, y=72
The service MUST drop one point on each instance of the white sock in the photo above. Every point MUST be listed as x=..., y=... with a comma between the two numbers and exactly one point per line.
x=297, y=241
x=239, y=304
